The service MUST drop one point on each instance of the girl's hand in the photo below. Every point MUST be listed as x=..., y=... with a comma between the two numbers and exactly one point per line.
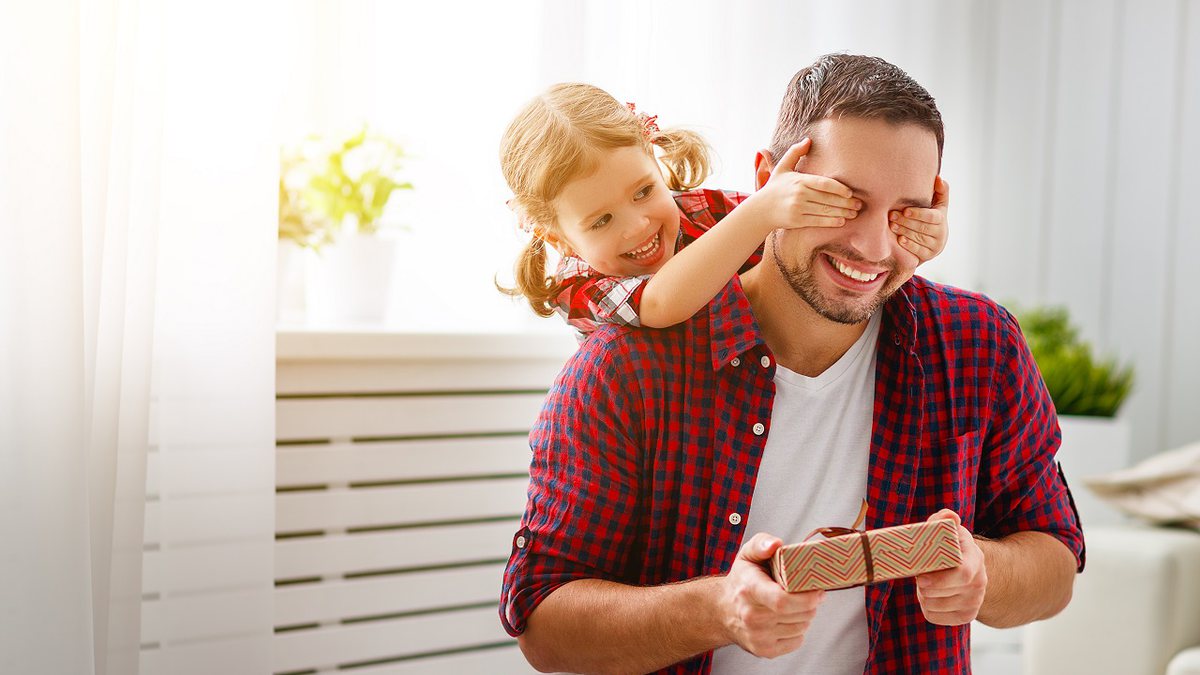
x=791, y=199
x=923, y=232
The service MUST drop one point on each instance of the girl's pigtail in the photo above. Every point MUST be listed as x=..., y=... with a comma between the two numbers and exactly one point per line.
x=531, y=281
x=685, y=157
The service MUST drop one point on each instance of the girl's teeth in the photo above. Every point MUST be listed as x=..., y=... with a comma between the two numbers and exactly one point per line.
x=646, y=250
x=853, y=273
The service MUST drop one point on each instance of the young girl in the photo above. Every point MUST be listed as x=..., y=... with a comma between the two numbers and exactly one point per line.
x=585, y=181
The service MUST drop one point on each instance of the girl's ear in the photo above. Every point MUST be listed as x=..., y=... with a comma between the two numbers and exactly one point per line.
x=552, y=237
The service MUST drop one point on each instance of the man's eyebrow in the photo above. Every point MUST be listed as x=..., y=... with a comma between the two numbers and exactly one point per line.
x=587, y=220
x=908, y=201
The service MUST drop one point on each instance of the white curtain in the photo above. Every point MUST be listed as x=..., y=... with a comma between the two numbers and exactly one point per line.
x=137, y=195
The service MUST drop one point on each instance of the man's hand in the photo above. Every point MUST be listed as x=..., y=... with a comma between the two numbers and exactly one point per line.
x=792, y=199
x=923, y=232
x=953, y=597
x=759, y=616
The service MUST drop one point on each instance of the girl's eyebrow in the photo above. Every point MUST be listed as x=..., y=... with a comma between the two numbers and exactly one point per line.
x=586, y=220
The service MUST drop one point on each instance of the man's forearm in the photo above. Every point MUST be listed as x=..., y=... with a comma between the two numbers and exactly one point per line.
x=595, y=626
x=1030, y=577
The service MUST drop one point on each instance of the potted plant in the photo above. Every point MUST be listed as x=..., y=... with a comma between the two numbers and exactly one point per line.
x=332, y=197
x=1087, y=391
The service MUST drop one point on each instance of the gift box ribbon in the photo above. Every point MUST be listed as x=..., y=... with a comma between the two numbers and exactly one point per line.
x=831, y=532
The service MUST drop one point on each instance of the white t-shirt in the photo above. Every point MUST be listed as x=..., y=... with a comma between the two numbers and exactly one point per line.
x=814, y=474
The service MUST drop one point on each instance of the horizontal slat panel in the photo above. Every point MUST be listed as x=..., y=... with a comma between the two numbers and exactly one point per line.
x=323, y=647
x=494, y=661
x=206, y=519
x=391, y=594
x=205, y=615
x=192, y=568
x=236, y=656
x=416, y=547
x=400, y=460
x=300, y=419
x=419, y=503
x=388, y=376
x=199, y=471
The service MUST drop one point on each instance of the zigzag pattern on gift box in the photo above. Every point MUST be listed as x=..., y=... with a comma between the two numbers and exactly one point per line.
x=829, y=564
x=896, y=552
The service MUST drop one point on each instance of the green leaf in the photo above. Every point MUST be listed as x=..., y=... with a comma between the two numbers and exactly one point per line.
x=1079, y=381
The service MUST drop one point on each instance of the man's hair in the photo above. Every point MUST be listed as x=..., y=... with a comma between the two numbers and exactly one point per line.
x=849, y=85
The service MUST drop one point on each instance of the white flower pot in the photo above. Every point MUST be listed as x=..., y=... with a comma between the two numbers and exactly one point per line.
x=1092, y=446
x=348, y=282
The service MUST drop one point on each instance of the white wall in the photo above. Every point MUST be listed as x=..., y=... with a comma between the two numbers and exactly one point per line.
x=1091, y=152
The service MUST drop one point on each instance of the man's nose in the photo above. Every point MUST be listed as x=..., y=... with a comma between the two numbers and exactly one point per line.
x=871, y=235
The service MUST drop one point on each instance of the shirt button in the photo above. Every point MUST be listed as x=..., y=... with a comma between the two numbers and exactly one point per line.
x=735, y=519
x=759, y=428
x=896, y=339
x=520, y=542
x=765, y=361
x=735, y=362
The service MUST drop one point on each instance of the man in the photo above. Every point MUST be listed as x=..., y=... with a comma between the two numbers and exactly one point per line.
x=826, y=374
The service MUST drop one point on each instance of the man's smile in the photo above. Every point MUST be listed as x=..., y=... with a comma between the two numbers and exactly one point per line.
x=853, y=276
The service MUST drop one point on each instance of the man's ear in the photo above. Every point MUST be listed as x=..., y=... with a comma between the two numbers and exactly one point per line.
x=764, y=164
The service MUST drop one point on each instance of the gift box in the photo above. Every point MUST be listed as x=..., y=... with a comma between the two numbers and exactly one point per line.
x=853, y=558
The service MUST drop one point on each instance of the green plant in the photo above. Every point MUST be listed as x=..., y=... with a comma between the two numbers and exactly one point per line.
x=1080, y=383
x=323, y=187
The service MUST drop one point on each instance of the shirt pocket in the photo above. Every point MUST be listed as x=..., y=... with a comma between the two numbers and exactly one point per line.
x=950, y=474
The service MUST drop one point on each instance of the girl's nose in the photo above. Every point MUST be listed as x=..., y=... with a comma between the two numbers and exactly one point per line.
x=636, y=227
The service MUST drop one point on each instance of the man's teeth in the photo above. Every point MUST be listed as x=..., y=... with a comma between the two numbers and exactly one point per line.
x=645, y=251
x=853, y=273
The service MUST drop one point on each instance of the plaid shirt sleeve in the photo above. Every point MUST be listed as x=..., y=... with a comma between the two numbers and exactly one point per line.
x=587, y=298
x=1025, y=490
x=580, y=516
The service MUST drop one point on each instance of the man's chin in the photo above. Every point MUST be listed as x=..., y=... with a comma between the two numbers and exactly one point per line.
x=849, y=313
x=839, y=305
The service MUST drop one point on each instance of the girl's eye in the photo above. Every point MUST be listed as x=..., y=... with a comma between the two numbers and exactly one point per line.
x=601, y=221
x=644, y=192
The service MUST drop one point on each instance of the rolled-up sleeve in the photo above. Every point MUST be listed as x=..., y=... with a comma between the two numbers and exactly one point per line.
x=583, y=483
x=1024, y=489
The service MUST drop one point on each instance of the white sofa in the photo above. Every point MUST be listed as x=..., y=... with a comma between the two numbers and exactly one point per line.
x=1135, y=611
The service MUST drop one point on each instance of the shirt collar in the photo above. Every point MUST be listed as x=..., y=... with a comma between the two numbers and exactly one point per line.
x=735, y=330
x=732, y=324
x=900, y=317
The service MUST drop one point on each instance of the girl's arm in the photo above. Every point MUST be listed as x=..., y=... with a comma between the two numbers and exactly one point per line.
x=698, y=271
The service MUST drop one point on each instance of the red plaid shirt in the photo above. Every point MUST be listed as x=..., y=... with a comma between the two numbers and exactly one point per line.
x=647, y=443
x=587, y=298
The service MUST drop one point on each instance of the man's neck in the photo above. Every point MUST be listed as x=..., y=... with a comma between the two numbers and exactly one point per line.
x=801, y=340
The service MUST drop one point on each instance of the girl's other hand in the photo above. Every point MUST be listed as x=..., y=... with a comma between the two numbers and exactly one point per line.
x=923, y=232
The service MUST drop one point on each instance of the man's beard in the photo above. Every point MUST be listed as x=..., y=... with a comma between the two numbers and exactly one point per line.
x=803, y=280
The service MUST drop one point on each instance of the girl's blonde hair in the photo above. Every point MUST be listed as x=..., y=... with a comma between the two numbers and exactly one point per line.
x=560, y=136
